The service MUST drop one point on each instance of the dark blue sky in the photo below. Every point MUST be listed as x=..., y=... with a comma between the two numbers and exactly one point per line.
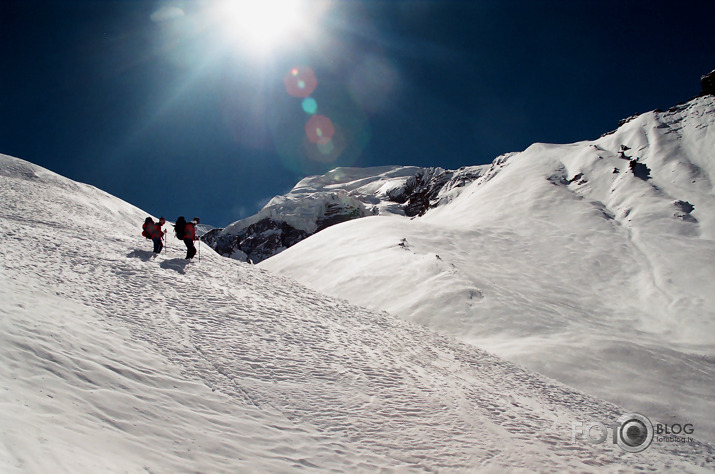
x=151, y=102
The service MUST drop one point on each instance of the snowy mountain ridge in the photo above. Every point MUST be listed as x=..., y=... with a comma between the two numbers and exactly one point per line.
x=116, y=360
x=343, y=194
x=591, y=262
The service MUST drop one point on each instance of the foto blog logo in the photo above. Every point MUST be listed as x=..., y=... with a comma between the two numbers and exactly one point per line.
x=632, y=432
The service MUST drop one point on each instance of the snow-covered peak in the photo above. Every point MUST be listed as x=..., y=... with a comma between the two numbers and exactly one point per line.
x=300, y=210
x=366, y=180
x=673, y=150
x=343, y=194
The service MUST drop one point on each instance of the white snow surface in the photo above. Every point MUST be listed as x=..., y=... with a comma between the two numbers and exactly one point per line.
x=557, y=262
x=113, y=360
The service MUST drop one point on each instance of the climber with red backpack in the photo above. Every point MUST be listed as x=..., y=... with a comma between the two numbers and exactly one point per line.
x=152, y=230
x=186, y=231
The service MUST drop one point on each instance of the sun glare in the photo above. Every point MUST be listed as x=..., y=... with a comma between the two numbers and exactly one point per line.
x=260, y=24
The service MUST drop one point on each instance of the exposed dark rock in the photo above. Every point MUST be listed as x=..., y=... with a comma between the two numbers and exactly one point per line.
x=678, y=108
x=211, y=237
x=419, y=193
x=578, y=179
x=627, y=119
x=466, y=175
x=258, y=241
x=640, y=170
x=683, y=211
x=419, y=190
x=558, y=179
x=335, y=213
x=400, y=195
x=684, y=206
x=622, y=152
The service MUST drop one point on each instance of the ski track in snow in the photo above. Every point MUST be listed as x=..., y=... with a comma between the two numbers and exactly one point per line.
x=360, y=390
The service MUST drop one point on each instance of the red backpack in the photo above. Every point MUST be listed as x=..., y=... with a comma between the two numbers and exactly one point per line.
x=148, y=228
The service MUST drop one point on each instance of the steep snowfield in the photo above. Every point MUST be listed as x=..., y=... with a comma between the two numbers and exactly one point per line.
x=561, y=259
x=112, y=360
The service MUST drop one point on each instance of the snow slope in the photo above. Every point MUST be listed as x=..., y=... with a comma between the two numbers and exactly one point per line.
x=113, y=360
x=563, y=259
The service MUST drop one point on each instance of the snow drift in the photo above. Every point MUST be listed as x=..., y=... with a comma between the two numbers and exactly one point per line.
x=112, y=359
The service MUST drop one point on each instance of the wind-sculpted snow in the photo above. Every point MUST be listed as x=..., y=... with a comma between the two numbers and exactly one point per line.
x=114, y=360
x=564, y=258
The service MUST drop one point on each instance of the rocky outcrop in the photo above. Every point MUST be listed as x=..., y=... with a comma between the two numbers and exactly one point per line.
x=419, y=190
x=422, y=191
x=335, y=213
x=640, y=170
x=256, y=242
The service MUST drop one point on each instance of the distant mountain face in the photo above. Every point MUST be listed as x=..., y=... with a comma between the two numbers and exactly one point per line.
x=343, y=194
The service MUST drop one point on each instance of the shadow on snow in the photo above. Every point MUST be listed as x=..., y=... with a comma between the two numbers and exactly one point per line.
x=177, y=264
x=144, y=255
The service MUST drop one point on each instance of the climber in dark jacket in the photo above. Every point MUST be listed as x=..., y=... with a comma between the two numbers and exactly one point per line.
x=157, y=235
x=186, y=231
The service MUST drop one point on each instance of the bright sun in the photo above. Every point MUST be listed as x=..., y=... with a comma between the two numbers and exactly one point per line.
x=260, y=25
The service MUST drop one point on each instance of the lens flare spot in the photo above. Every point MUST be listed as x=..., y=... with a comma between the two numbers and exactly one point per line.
x=310, y=106
x=327, y=151
x=319, y=129
x=326, y=148
x=300, y=82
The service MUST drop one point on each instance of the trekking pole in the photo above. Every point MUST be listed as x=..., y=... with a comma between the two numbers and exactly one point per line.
x=199, y=250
